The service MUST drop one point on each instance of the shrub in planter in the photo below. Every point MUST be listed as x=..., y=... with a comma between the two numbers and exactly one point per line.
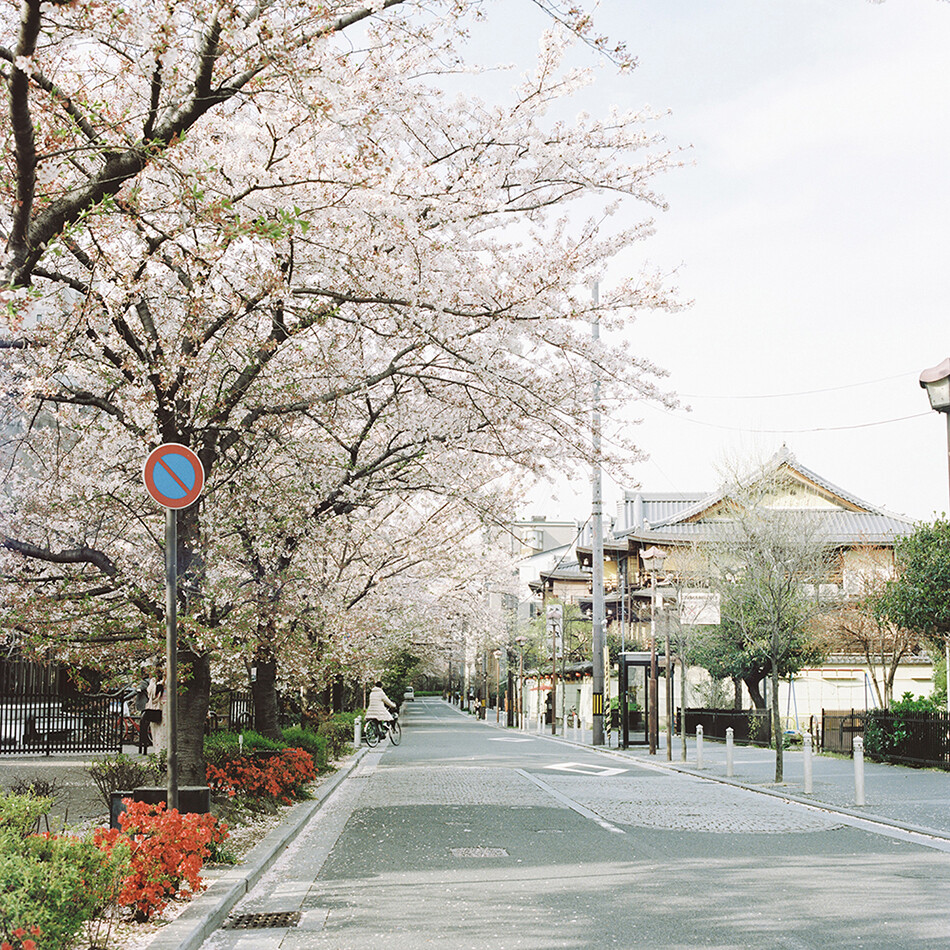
x=20, y=813
x=219, y=746
x=166, y=851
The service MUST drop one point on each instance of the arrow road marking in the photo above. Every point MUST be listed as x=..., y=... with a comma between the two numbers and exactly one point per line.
x=579, y=769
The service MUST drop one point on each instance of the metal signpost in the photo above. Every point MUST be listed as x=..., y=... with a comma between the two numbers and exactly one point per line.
x=555, y=621
x=174, y=477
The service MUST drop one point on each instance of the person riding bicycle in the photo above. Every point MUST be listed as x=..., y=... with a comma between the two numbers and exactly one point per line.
x=378, y=703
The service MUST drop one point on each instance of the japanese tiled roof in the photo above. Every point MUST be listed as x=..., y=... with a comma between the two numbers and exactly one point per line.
x=845, y=519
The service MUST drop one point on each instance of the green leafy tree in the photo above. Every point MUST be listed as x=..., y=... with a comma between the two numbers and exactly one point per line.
x=918, y=598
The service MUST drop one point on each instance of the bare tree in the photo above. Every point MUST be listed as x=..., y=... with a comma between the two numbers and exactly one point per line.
x=767, y=561
x=861, y=626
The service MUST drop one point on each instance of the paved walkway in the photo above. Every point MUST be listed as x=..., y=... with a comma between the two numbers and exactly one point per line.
x=917, y=799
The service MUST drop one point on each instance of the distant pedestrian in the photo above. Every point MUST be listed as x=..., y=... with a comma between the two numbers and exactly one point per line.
x=140, y=701
x=155, y=712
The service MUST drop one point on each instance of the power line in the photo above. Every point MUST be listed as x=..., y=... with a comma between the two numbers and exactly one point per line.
x=804, y=392
x=858, y=425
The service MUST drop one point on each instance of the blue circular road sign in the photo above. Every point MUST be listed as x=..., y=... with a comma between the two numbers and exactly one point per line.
x=174, y=475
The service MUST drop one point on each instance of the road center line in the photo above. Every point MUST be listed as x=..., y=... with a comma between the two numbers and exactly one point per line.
x=576, y=806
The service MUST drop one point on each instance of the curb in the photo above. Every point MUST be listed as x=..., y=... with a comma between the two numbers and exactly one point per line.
x=208, y=911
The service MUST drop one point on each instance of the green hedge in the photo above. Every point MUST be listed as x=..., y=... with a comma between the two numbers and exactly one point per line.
x=299, y=738
x=227, y=745
x=54, y=883
x=338, y=732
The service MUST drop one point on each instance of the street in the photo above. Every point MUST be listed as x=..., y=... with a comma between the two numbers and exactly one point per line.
x=468, y=836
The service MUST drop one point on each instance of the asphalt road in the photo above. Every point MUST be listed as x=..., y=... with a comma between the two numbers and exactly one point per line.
x=471, y=837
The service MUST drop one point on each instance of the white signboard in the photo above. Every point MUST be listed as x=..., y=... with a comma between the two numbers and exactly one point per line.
x=699, y=608
x=555, y=619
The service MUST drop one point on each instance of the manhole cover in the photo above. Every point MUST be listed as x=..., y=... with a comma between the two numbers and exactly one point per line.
x=478, y=852
x=288, y=918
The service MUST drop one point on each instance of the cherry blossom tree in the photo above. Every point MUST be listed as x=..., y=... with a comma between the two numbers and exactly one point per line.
x=266, y=232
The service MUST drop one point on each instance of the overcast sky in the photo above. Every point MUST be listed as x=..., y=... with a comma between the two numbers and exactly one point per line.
x=811, y=231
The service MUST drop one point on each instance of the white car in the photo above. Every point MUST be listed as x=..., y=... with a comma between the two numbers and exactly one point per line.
x=409, y=695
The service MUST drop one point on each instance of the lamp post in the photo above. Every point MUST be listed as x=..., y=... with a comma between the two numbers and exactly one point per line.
x=653, y=559
x=936, y=381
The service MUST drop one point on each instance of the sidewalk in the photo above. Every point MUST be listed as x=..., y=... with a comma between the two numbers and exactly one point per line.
x=907, y=798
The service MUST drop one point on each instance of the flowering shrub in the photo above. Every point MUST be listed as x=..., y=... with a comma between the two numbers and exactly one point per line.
x=21, y=939
x=278, y=778
x=167, y=849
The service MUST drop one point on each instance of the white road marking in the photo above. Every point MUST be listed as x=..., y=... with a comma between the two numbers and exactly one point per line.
x=575, y=806
x=578, y=769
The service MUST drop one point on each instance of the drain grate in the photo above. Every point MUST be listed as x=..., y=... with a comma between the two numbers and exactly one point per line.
x=478, y=852
x=289, y=918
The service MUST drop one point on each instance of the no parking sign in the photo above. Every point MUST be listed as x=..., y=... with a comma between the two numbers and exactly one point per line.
x=174, y=475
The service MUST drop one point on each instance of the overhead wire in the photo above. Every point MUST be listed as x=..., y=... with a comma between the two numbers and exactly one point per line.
x=751, y=429
x=804, y=392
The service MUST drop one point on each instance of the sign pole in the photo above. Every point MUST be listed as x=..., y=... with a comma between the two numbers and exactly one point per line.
x=174, y=477
x=171, y=650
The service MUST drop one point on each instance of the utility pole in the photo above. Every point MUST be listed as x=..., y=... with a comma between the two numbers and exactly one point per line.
x=597, y=521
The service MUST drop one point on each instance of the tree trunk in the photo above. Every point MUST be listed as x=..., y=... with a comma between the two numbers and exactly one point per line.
x=777, y=734
x=755, y=693
x=264, y=692
x=336, y=693
x=736, y=693
x=194, y=694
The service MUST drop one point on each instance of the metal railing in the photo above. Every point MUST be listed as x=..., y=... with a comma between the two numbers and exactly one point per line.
x=43, y=725
x=838, y=729
x=749, y=726
x=908, y=738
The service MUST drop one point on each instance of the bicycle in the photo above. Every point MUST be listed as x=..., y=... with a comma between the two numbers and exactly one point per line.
x=374, y=731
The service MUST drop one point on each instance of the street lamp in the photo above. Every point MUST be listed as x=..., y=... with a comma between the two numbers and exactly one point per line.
x=653, y=559
x=936, y=381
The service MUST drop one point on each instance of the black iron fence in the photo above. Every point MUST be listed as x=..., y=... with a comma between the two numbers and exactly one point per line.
x=240, y=711
x=43, y=724
x=749, y=726
x=838, y=729
x=22, y=677
x=908, y=738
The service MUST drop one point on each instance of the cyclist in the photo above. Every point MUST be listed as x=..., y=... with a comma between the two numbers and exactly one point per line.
x=379, y=705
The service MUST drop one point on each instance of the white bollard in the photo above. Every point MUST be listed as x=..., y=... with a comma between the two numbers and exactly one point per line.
x=576, y=724
x=806, y=749
x=540, y=722
x=699, y=747
x=357, y=732
x=858, y=770
x=730, y=752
